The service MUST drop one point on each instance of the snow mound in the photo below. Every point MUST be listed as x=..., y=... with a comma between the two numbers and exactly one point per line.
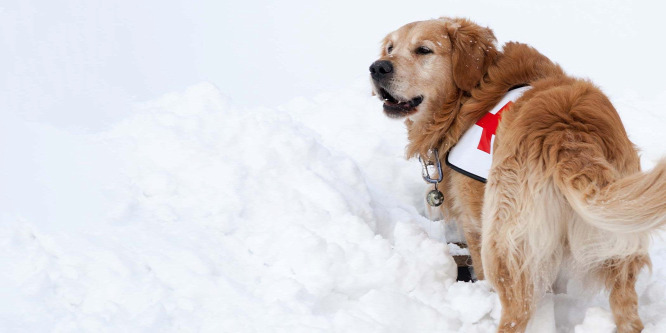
x=232, y=220
x=218, y=218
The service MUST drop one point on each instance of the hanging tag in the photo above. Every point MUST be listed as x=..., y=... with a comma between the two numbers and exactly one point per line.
x=435, y=198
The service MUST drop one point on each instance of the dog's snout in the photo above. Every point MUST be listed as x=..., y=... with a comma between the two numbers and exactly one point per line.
x=381, y=69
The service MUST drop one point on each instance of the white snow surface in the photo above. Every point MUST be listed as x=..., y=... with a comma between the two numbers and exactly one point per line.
x=194, y=214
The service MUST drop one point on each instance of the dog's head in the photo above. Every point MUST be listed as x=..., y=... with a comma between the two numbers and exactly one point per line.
x=424, y=63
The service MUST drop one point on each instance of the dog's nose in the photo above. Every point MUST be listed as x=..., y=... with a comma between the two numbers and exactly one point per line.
x=381, y=69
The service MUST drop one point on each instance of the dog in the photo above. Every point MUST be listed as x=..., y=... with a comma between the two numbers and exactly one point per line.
x=564, y=191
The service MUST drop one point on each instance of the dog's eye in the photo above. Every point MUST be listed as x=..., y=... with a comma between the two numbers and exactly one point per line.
x=389, y=49
x=423, y=50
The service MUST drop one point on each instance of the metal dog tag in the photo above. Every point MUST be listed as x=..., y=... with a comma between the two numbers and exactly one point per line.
x=435, y=198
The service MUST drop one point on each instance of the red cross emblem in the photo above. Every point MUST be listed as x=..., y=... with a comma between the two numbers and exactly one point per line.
x=489, y=123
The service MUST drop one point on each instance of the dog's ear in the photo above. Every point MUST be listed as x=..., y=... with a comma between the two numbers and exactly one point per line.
x=473, y=50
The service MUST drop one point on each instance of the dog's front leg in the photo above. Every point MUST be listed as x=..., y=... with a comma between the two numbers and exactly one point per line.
x=473, y=237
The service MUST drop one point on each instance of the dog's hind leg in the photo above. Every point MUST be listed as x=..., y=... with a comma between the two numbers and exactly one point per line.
x=503, y=248
x=620, y=276
x=516, y=293
x=523, y=237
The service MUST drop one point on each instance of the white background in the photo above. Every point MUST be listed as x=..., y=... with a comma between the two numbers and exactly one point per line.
x=79, y=64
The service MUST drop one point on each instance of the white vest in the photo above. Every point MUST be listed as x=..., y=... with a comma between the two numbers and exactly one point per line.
x=473, y=154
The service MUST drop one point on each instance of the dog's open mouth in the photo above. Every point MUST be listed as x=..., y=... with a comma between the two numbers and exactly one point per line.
x=397, y=108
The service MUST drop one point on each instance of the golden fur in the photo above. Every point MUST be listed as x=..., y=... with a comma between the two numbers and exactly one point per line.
x=565, y=187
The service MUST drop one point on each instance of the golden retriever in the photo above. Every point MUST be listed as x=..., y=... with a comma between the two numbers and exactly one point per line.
x=565, y=189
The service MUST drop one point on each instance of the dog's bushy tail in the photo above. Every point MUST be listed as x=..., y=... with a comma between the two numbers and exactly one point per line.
x=634, y=204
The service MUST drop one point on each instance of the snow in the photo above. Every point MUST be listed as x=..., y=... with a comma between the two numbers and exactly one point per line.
x=597, y=320
x=217, y=217
x=456, y=250
x=230, y=219
x=264, y=205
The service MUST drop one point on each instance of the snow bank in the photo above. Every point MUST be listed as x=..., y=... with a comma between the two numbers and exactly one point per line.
x=213, y=217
